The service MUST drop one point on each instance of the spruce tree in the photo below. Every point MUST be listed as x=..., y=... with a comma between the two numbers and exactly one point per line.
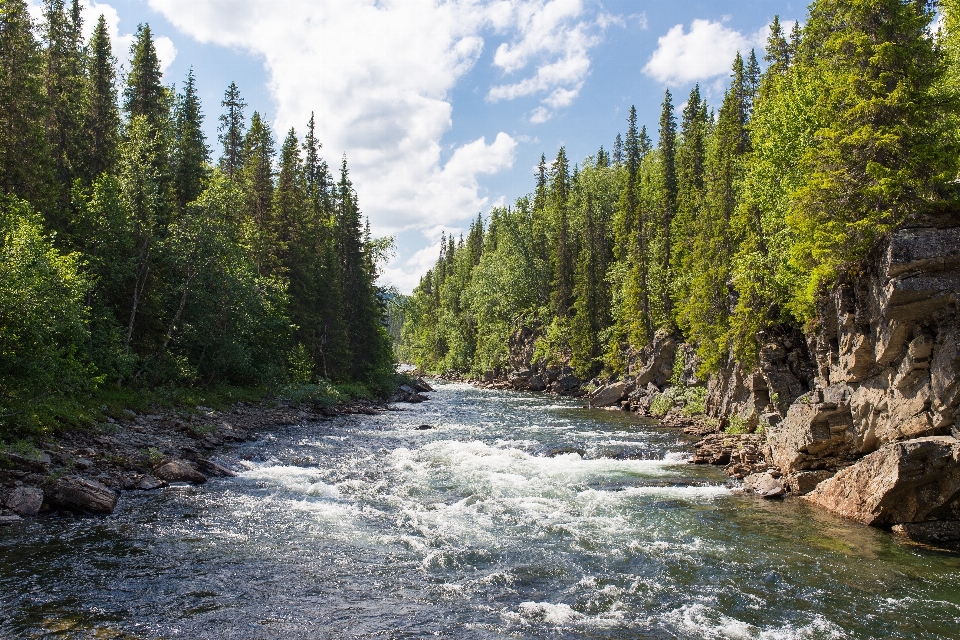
x=618, y=151
x=25, y=169
x=667, y=147
x=562, y=256
x=256, y=176
x=145, y=94
x=190, y=153
x=777, y=54
x=102, y=117
x=231, y=131
x=64, y=88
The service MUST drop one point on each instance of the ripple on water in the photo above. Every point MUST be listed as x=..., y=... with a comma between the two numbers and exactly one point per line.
x=516, y=516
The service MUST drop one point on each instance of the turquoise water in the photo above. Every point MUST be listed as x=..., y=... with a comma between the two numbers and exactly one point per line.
x=517, y=516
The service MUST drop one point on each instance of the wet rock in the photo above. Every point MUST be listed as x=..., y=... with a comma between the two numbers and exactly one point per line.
x=763, y=485
x=424, y=427
x=83, y=464
x=800, y=483
x=82, y=495
x=35, y=464
x=420, y=385
x=211, y=468
x=910, y=481
x=9, y=519
x=407, y=389
x=553, y=452
x=610, y=394
x=25, y=501
x=942, y=532
x=149, y=483
x=536, y=383
x=179, y=471
x=567, y=384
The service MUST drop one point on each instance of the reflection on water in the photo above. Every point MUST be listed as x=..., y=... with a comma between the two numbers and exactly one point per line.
x=518, y=516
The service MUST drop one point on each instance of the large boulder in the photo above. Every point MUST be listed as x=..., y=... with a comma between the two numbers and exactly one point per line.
x=179, y=471
x=536, y=383
x=82, y=495
x=609, y=395
x=912, y=481
x=658, y=359
x=25, y=501
x=567, y=384
x=817, y=432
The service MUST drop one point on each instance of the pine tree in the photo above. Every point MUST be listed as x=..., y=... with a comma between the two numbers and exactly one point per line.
x=64, y=88
x=562, y=251
x=145, y=94
x=25, y=169
x=617, y=151
x=778, y=49
x=667, y=147
x=231, y=131
x=102, y=118
x=256, y=176
x=190, y=153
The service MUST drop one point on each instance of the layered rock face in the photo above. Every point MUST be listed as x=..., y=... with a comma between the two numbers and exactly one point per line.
x=886, y=358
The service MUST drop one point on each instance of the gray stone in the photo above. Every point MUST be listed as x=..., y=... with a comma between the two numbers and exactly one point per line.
x=800, y=483
x=536, y=383
x=935, y=532
x=83, y=464
x=567, y=384
x=910, y=481
x=211, y=468
x=149, y=483
x=610, y=394
x=25, y=501
x=10, y=519
x=82, y=495
x=763, y=485
x=179, y=471
x=817, y=433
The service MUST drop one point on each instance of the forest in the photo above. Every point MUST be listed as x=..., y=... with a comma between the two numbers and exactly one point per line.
x=130, y=259
x=726, y=227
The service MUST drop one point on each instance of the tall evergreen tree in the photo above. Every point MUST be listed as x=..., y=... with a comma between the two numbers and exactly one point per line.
x=231, y=130
x=145, y=94
x=102, y=117
x=667, y=147
x=257, y=175
x=25, y=168
x=778, y=49
x=190, y=153
x=562, y=252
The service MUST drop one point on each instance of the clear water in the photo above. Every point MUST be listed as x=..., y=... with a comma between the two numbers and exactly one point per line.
x=363, y=527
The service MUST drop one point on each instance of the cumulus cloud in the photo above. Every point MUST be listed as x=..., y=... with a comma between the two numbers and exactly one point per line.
x=166, y=51
x=379, y=75
x=704, y=52
x=556, y=37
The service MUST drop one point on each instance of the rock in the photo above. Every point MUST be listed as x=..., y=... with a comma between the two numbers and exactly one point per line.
x=800, y=483
x=10, y=519
x=82, y=495
x=817, y=432
x=610, y=394
x=149, y=483
x=553, y=452
x=658, y=359
x=567, y=384
x=83, y=464
x=421, y=385
x=938, y=532
x=25, y=501
x=910, y=481
x=763, y=485
x=536, y=383
x=211, y=468
x=35, y=464
x=407, y=389
x=423, y=427
x=179, y=471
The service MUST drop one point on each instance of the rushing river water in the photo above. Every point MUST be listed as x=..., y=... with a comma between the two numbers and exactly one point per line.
x=518, y=516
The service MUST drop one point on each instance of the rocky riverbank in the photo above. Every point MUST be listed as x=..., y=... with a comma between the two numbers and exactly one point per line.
x=86, y=472
x=858, y=415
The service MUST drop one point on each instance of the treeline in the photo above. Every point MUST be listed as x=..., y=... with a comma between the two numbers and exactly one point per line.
x=129, y=258
x=726, y=228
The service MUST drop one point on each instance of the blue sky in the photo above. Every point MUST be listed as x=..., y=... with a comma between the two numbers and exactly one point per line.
x=443, y=108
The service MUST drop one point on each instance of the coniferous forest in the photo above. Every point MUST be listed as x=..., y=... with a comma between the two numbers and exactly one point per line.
x=728, y=226
x=132, y=258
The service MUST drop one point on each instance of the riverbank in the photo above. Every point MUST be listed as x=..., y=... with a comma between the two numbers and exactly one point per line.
x=84, y=471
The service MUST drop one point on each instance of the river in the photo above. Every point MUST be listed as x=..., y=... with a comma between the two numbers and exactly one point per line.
x=516, y=516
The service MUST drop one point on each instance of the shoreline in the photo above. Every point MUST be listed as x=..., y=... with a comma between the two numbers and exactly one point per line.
x=85, y=472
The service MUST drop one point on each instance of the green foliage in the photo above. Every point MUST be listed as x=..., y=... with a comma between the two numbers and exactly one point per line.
x=43, y=324
x=737, y=425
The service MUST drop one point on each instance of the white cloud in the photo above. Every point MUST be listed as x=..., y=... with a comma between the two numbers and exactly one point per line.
x=379, y=74
x=166, y=51
x=705, y=52
x=555, y=36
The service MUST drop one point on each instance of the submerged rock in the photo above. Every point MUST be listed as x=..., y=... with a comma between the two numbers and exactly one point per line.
x=82, y=495
x=9, y=519
x=25, y=501
x=179, y=471
x=936, y=532
x=423, y=427
x=902, y=482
